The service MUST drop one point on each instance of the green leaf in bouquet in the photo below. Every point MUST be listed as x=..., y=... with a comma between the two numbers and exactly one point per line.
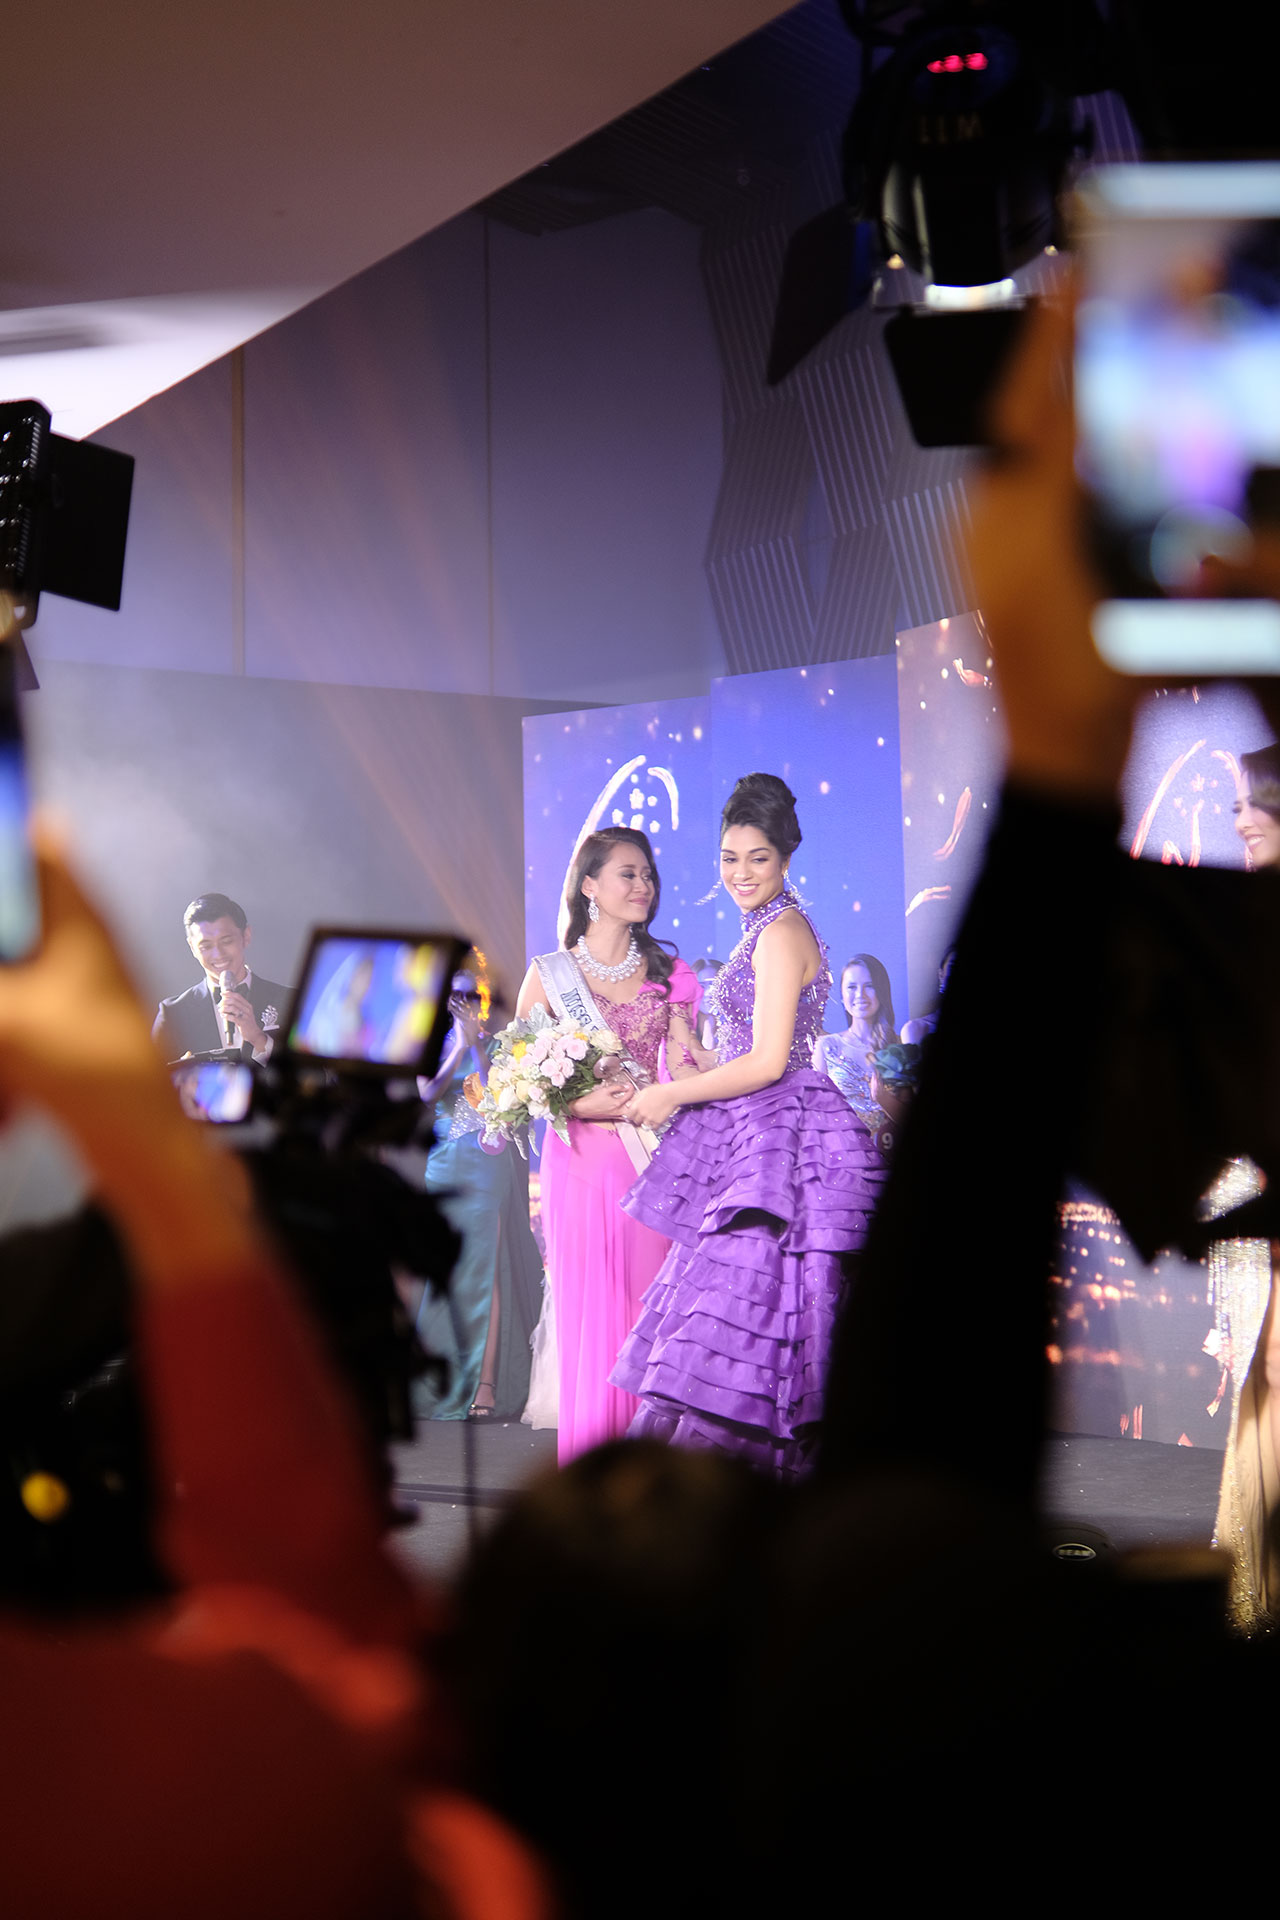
x=898, y=1065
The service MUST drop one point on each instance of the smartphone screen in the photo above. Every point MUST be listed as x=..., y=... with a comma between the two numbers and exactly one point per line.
x=19, y=880
x=1177, y=388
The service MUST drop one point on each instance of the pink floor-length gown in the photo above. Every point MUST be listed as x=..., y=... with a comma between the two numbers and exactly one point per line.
x=599, y=1260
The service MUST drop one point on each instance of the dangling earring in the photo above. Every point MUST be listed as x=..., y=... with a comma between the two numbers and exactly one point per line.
x=710, y=896
x=593, y=911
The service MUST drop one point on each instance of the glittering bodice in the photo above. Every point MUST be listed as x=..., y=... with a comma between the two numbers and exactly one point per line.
x=465, y=1118
x=851, y=1073
x=641, y=1024
x=732, y=995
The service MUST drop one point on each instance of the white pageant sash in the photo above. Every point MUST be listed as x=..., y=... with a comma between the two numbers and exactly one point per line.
x=571, y=999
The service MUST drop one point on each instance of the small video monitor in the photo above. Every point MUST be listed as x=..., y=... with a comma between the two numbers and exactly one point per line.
x=216, y=1090
x=374, y=1003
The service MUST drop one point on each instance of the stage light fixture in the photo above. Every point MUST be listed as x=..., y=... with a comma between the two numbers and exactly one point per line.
x=954, y=157
x=64, y=512
x=956, y=150
x=959, y=156
x=996, y=293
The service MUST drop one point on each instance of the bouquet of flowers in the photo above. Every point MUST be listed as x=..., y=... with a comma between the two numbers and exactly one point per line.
x=897, y=1070
x=898, y=1066
x=540, y=1066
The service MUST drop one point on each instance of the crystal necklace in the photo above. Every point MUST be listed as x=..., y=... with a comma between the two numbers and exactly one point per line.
x=623, y=970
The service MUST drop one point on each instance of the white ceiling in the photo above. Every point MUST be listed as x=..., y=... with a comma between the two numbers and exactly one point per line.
x=178, y=177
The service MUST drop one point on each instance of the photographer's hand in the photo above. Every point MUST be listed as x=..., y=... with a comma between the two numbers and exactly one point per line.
x=1069, y=717
x=1255, y=577
x=74, y=1039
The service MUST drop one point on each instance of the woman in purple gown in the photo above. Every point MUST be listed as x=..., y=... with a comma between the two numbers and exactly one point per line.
x=764, y=1181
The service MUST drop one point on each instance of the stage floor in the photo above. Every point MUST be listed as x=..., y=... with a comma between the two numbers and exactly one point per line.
x=431, y=1475
x=1138, y=1492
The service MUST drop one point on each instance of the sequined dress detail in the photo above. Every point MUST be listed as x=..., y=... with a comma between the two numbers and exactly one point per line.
x=641, y=1024
x=1240, y=1280
x=853, y=1077
x=764, y=1197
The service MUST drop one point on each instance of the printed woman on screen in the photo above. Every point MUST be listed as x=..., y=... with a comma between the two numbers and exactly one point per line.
x=336, y=1023
x=765, y=1180
x=1243, y=1286
x=867, y=997
x=599, y=1260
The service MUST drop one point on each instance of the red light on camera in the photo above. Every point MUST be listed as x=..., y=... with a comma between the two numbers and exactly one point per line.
x=959, y=63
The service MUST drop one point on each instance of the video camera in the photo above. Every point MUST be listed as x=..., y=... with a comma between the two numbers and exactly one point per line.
x=367, y=1020
x=370, y=1014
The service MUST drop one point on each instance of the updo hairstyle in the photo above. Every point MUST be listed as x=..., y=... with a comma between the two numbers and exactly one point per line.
x=1261, y=770
x=591, y=856
x=763, y=801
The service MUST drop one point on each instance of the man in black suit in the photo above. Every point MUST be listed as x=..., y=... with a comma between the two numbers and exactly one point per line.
x=232, y=1006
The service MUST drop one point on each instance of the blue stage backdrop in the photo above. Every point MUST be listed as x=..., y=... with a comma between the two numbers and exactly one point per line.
x=1180, y=783
x=952, y=754
x=895, y=762
x=1132, y=1345
x=644, y=766
x=831, y=732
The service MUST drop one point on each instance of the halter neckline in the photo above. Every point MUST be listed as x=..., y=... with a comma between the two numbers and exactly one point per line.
x=755, y=916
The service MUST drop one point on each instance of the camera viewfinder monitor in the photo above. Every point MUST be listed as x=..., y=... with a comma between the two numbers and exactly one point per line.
x=220, y=1091
x=1177, y=394
x=374, y=1003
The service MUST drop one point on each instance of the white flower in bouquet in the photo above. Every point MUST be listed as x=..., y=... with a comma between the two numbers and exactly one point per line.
x=540, y=1067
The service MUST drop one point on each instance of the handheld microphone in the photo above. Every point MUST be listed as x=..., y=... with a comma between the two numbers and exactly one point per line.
x=228, y=986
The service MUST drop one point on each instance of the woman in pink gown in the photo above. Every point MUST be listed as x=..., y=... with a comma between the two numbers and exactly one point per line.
x=599, y=1260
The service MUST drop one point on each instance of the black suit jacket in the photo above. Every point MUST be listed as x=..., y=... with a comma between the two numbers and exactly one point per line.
x=187, y=1023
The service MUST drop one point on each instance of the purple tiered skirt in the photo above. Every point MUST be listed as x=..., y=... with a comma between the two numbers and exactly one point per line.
x=762, y=1197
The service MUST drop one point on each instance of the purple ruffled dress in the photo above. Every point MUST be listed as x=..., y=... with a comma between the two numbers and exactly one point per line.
x=761, y=1197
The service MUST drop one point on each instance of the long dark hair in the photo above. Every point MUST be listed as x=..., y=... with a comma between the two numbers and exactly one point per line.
x=1261, y=770
x=591, y=856
x=763, y=801
x=885, y=1030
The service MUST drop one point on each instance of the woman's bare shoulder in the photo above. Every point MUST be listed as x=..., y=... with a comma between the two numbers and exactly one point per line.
x=789, y=933
x=532, y=992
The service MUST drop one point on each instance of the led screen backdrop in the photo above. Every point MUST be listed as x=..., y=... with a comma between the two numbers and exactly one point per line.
x=896, y=763
x=1133, y=1345
x=831, y=733
x=952, y=752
